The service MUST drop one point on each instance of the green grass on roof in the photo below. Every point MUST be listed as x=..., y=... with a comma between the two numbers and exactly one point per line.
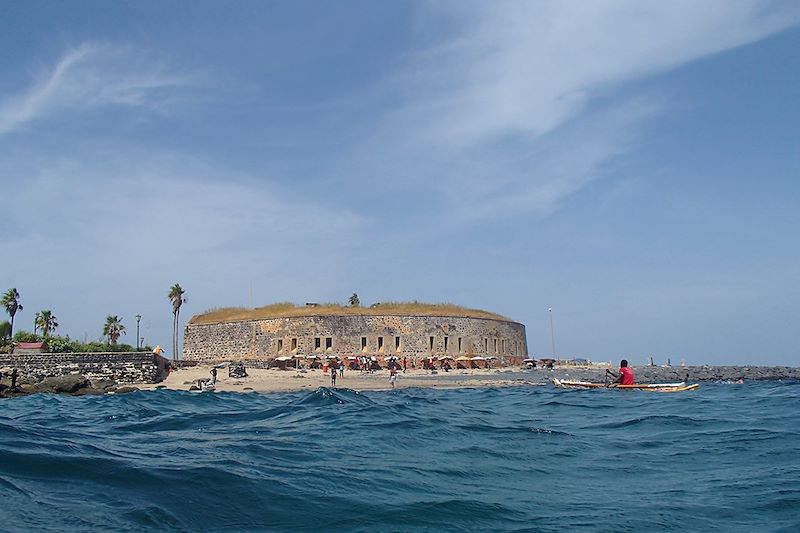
x=286, y=309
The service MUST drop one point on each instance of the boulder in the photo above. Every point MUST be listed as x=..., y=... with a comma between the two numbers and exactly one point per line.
x=123, y=390
x=89, y=391
x=104, y=384
x=69, y=383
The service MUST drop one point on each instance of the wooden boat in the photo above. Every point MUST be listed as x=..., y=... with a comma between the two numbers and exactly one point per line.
x=652, y=387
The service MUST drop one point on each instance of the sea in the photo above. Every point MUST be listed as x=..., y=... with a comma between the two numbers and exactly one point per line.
x=531, y=458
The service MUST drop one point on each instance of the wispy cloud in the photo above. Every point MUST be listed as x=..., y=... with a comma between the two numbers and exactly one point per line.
x=521, y=106
x=92, y=76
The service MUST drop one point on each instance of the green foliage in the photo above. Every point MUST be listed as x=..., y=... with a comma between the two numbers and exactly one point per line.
x=175, y=296
x=46, y=321
x=354, y=301
x=5, y=331
x=59, y=344
x=113, y=328
x=26, y=336
x=10, y=302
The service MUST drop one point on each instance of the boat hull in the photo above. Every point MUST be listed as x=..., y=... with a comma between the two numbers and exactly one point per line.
x=652, y=387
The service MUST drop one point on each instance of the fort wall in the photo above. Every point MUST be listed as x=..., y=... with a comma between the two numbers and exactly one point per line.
x=343, y=335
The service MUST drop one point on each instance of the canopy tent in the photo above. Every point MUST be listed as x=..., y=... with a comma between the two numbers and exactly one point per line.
x=477, y=362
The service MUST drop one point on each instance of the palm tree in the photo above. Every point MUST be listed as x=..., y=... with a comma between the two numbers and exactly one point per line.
x=113, y=329
x=11, y=304
x=175, y=296
x=46, y=321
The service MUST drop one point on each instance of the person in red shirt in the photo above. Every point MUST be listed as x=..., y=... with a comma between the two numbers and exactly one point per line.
x=625, y=376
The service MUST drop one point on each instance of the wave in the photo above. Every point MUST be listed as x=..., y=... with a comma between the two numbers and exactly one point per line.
x=409, y=460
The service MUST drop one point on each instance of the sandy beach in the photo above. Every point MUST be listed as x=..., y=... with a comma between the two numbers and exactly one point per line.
x=274, y=380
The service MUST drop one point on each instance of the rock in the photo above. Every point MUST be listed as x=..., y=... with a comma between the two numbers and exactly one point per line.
x=125, y=389
x=89, y=391
x=69, y=383
x=194, y=387
x=103, y=384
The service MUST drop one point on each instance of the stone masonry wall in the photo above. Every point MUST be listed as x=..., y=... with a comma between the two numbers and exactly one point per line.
x=123, y=367
x=344, y=335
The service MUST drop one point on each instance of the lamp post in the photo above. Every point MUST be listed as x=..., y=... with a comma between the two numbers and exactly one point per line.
x=552, y=335
x=138, y=319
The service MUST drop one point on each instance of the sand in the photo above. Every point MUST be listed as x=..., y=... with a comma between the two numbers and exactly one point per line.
x=275, y=380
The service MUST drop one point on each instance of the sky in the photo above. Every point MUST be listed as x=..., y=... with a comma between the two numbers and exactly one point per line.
x=631, y=165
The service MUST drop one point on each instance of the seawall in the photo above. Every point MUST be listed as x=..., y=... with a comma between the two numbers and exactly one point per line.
x=123, y=367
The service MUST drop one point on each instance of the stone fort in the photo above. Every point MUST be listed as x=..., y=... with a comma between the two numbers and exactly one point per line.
x=402, y=330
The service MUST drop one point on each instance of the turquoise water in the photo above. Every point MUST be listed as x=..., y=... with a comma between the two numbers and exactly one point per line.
x=724, y=458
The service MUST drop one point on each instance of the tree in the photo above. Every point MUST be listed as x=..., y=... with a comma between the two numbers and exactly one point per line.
x=354, y=301
x=113, y=328
x=175, y=296
x=46, y=321
x=5, y=331
x=11, y=304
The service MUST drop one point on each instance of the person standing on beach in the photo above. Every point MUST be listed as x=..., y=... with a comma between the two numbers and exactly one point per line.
x=333, y=377
x=625, y=376
x=405, y=364
x=392, y=375
x=341, y=369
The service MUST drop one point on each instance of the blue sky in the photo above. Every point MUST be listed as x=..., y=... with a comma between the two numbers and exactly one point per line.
x=633, y=165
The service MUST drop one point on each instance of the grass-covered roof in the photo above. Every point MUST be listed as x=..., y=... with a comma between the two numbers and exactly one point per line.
x=285, y=309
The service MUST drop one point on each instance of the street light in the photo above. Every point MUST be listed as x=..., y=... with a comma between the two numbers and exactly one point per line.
x=552, y=335
x=138, y=319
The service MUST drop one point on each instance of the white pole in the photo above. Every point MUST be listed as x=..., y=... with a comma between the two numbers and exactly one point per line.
x=552, y=335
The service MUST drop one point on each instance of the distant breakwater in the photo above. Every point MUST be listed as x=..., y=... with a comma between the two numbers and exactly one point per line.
x=655, y=374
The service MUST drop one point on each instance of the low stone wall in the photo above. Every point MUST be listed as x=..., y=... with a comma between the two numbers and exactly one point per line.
x=123, y=367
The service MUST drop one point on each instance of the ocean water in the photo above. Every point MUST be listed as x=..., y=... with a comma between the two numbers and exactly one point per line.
x=723, y=458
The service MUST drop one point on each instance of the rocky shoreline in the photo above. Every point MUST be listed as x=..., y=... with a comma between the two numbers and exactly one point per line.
x=73, y=384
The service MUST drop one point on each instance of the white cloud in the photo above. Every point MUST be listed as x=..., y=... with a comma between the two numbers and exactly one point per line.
x=92, y=76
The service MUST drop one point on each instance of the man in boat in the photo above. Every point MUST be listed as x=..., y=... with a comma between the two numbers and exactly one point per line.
x=625, y=376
